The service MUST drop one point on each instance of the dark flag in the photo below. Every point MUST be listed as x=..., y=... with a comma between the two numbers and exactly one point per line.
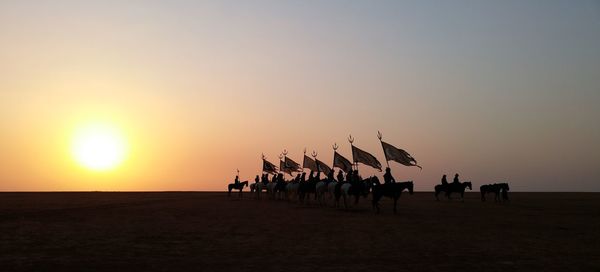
x=269, y=167
x=398, y=155
x=365, y=157
x=284, y=168
x=292, y=165
x=309, y=163
x=323, y=167
x=341, y=162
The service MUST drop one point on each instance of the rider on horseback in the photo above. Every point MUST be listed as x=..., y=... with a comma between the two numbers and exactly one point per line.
x=330, y=177
x=340, y=176
x=387, y=177
x=455, y=181
x=237, y=181
x=444, y=181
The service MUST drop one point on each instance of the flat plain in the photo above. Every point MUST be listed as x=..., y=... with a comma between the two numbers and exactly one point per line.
x=201, y=231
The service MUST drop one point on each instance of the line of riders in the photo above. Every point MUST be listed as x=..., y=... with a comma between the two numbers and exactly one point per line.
x=344, y=187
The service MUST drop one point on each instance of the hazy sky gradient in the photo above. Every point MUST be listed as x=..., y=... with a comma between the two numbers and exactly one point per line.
x=493, y=90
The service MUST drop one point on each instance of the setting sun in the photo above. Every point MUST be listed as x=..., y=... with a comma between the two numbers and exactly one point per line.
x=99, y=147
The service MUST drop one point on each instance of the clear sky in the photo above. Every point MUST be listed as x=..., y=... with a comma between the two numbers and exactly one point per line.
x=493, y=90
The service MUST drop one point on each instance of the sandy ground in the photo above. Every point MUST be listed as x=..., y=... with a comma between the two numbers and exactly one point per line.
x=211, y=232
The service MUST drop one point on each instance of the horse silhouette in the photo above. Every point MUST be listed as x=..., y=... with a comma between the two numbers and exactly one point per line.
x=453, y=188
x=239, y=186
x=497, y=188
x=355, y=189
x=391, y=190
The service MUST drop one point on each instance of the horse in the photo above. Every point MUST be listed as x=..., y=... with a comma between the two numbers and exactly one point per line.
x=291, y=190
x=280, y=188
x=453, y=188
x=271, y=189
x=239, y=186
x=322, y=188
x=391, y=190
x=257, y=188
x=495, y=188
x=306, y=188
x=331, y=189
x=356, y=189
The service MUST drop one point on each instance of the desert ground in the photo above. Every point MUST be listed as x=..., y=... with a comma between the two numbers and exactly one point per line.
x=99, y=231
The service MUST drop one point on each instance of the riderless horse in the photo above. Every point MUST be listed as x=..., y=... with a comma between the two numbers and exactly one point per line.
x=391, y=190
x=495, y=188
x=453, y=188
x=238, y=186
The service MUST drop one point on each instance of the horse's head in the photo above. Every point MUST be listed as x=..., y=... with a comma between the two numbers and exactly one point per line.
x=469, y=185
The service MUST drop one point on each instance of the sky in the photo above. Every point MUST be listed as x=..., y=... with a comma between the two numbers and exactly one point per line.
x=494, y=90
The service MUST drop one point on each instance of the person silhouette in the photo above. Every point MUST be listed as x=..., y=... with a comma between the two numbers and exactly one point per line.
x=274, y=179
x=297, y=179
x=256, y=179
x=303, y=177
x=265, y=179
x=350, y=176
x=340, y=176
x=444, y=180
x=237, y=181
x=330, y=177
x=387, y=177
x=456, y=181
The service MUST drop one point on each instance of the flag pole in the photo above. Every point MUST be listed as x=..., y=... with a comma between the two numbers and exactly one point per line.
x=335, y=147
x=314, y=155
x=354, y=162
x=303, y=160
x=380, y=136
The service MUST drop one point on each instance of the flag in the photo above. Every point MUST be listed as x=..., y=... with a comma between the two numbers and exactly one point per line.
x=341, y=162
x=323, y=167
x=269, y=167
x=289, y=166
x=284, y=168
x=364, y=157
x=309, y=163
x=292, y=165
x=398, y=155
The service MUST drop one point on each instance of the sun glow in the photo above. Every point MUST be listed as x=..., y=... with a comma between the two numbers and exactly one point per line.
x=99, y=146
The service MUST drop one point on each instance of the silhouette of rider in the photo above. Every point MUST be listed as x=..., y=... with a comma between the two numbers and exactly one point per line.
x=297, y=179
x=444, y=181
x=340, y=176
x=265, y=179
x=387, y=177
x=237, y=181
x=456, y=181
x=256, y=179
x=350, y=176
x=303, y=177
x=330, y=176
x=274, y=179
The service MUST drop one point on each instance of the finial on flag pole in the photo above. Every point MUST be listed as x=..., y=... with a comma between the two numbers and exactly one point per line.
x=380, y=136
